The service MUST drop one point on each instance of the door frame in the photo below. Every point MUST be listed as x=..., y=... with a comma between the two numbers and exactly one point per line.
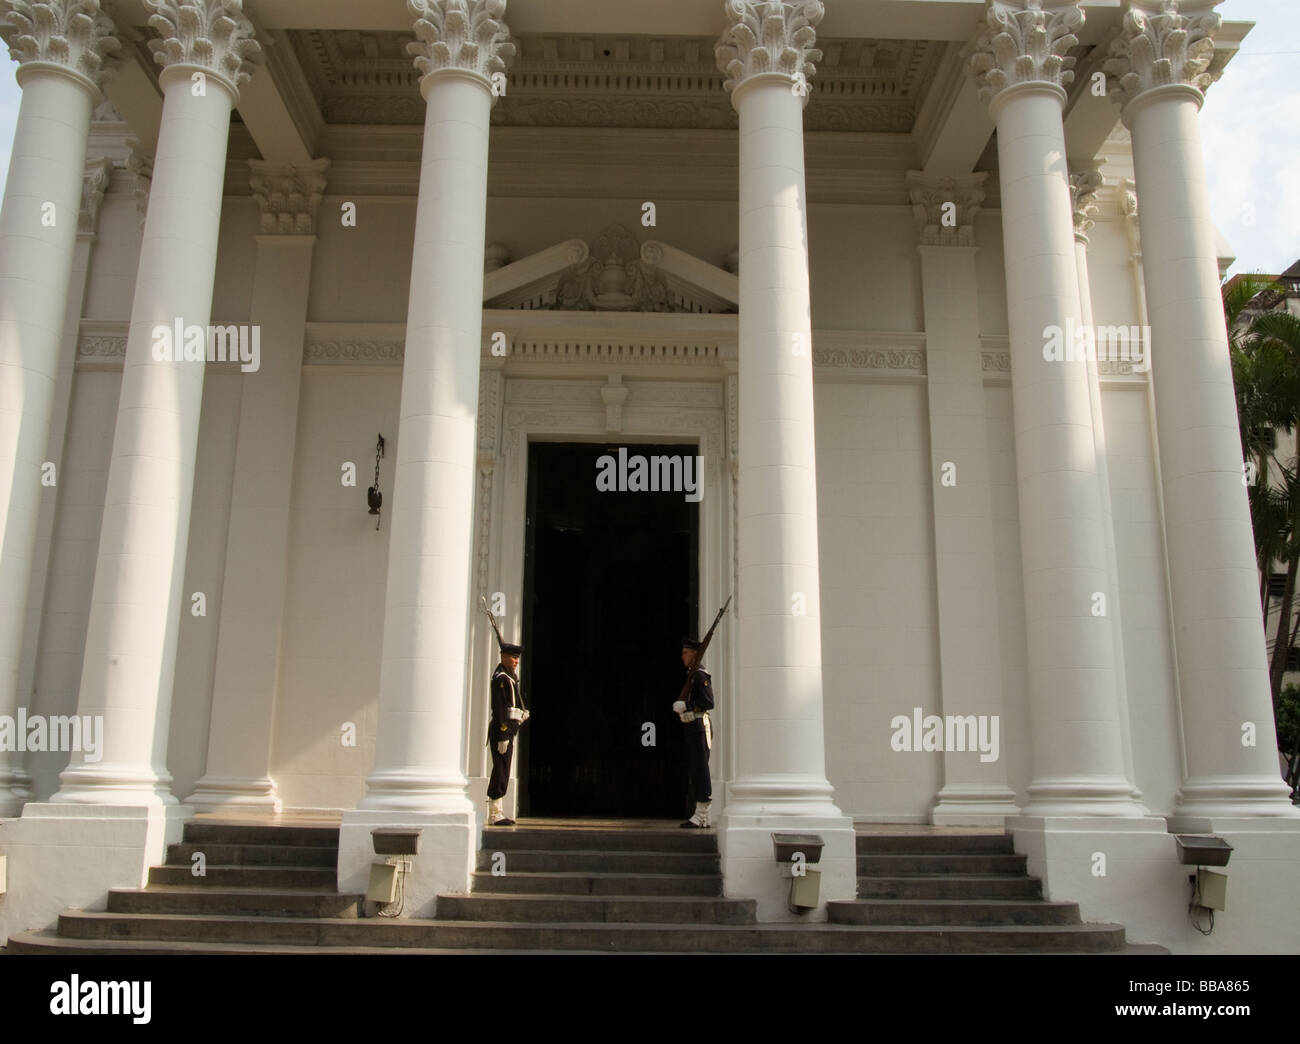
x=533, y=409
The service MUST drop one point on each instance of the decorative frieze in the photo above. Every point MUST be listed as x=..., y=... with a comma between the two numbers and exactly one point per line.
x=945, y=207
x=1162, y=43
x=288, y=196
x=74, y=34
x=1026, y=41
x=212, y=35
x=466, y=35
x=768, y=36
x=377, y=351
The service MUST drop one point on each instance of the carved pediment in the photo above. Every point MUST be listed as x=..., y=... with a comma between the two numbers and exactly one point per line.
x=614, y=273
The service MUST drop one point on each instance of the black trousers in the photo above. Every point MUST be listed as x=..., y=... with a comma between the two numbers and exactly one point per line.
x=500, y=778
x=697, y=762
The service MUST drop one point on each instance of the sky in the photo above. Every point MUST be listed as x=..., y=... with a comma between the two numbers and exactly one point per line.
x=1250, y=127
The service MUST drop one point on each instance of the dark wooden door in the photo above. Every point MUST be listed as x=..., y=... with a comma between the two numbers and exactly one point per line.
x=610, y=588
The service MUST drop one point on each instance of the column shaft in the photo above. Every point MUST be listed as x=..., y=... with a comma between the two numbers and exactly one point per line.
x=137, y=602
x=38, y=238
x=419, y=753
x=237, y=771
x=1219, y=634
x=1074, y=715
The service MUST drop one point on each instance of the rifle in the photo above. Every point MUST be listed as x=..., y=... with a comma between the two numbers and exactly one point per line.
x=699, y=655
x=482, y=603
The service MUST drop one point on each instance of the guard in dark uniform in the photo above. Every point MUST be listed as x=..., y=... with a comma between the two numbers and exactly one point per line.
x=508, y=713
x=694, y=712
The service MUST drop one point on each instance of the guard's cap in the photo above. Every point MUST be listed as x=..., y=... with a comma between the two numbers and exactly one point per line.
x=691, y=643
x=511, y=650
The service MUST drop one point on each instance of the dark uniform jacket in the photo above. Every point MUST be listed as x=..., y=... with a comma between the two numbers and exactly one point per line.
x=700, y=699
x=507, y=692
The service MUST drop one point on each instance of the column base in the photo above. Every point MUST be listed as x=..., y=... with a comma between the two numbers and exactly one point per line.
x=15, y=791
x=65, y=855
x=1084, y=797
x=758, y=809
x=401, y=790
x=217, y=793
x=970, y=804
x=114, y=785
x=448, y=845
x=1234, y=797
x=1127, y=871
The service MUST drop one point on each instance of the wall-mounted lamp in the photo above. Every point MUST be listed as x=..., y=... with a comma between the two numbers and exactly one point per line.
x=373, y=495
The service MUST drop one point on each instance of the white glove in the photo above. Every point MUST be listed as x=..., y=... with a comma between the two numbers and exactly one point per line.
x=525, y=717
x=503, y=746
x=679, y=707
x=515, y=713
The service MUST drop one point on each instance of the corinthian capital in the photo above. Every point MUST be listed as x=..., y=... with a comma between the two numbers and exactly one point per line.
x=467, y=35
x=1026, y=41
x=1084, y=186
x=94, y=183
x=74, y=34
x=289, y=196
x=768, y=36
x=945, y=208
x=211, y=34
x=1162, y=43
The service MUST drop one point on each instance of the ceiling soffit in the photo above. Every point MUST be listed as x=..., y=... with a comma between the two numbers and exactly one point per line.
x=671, y=82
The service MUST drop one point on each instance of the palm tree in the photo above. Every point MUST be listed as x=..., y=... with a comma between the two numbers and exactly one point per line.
x=1265, y=349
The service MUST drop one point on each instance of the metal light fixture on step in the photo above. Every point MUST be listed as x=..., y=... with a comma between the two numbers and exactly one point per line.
x=374, y=497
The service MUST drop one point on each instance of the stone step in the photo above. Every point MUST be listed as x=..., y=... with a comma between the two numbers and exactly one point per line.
x=585, y=909
x=244, y=902
x=665, y=938
x=895, y=865
x=522, y=883
x=950, y=886
x=48, y=942
x=260, y=834
x=324, y=878
x=253, y=855
x=931, y=844
x=593, y=862
x=674, y=839
x=951, y=911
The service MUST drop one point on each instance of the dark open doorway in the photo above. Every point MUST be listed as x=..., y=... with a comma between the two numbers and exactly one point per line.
x=610, y=586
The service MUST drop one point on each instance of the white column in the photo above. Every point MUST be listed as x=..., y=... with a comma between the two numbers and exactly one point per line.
x=137, y=601
x=1021, y=66
x=767, y=53
x=1084, y=186
x=237, y=771
x=418, y=775
x=1158, y=64
x=61, y=48
x=95, y=182
x=974, y=791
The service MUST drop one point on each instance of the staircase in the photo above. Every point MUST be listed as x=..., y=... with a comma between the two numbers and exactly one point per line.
x=573, y=888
